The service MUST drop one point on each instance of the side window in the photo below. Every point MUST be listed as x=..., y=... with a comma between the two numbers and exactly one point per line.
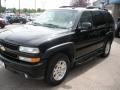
x=85, y=17
x=98, y=18
x=108, y=17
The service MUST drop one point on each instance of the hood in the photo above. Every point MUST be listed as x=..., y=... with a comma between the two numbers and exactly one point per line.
x=31, y=35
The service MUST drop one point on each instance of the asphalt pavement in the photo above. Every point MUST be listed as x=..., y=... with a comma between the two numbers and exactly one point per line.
x=99, y=74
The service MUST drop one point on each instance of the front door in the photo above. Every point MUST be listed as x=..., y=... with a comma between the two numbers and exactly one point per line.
x=83, y=42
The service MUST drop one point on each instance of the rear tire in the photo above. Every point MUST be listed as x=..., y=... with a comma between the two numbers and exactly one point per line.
x=57, y=70
x=21, y=22
x=107, y=49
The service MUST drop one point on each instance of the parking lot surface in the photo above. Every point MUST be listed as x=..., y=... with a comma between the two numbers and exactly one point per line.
x=9, y=27
x=99, y=74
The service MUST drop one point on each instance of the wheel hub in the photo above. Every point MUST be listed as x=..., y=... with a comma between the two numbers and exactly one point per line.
x=107, y=49
x=59, y=70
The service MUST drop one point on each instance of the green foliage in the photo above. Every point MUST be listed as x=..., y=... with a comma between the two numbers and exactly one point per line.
x=40, y=10
x=24, y=10
x=13, y=9
x=2, y=9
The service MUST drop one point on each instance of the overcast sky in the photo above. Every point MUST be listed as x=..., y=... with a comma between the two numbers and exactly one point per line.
x=40, y=3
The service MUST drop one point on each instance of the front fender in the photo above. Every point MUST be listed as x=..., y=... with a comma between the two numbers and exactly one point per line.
x=110, y=35
x=67, y=48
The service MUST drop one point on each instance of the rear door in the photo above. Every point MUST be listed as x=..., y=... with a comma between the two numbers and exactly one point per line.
x=99, y=29
x=110, y=26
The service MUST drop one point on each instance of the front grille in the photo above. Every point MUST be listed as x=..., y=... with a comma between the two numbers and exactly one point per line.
x=9, y=45
x=7, y=54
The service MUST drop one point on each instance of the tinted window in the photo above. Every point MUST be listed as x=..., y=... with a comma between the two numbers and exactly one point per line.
x=86, y=17
x=98, y=18
x=108, y=17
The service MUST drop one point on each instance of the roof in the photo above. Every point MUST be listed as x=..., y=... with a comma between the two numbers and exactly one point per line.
x=82, y=8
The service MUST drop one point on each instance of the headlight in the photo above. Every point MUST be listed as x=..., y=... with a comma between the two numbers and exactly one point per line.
x=29, y=50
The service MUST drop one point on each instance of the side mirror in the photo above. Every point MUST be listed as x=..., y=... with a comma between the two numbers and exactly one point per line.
x=85, y=26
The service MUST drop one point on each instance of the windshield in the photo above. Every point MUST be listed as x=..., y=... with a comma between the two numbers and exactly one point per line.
x=57, y=18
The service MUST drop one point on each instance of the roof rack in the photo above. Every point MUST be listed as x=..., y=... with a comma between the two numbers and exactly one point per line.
x=94, y=7
x=88, y=7
x=69, y=6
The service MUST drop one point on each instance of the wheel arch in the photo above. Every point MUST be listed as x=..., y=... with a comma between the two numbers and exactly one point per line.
x=110, y=36
x=65, y=48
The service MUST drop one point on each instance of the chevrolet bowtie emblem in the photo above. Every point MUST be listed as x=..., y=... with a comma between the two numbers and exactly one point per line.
x=2, y=48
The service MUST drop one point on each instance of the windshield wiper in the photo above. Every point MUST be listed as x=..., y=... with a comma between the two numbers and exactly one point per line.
x=48, y=25
x=36, y=24
x=53, y=26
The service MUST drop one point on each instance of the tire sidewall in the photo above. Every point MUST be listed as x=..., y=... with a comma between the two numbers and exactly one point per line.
x=104, y=54
x=51, y=65
x=21, y=22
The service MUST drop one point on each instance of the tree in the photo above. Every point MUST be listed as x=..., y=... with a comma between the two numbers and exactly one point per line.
x=82, y=3
x=38, y=10
x=25, y=10
x=3, y=9
x=14, y=10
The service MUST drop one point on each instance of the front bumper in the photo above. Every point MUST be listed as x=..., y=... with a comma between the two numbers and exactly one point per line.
x=36, y=71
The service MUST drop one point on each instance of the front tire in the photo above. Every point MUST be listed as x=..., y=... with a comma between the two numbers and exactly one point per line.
x=107, y=49
x=11, y=22
x=2, y=26
x=57, y=70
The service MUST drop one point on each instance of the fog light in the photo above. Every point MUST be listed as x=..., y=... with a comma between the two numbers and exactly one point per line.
x=31, y=60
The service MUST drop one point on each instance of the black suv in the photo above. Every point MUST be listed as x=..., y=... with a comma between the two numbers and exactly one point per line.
x=56, y=41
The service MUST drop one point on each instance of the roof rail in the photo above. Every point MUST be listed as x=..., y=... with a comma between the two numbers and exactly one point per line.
x=69, y=6
x=94, y=7
x=88, y=7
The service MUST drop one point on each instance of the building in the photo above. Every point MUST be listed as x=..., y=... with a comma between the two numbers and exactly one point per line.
x=99, y=3
x=112, y=5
